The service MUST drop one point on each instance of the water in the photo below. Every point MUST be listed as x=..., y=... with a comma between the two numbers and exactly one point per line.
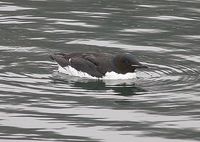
x=39, y=104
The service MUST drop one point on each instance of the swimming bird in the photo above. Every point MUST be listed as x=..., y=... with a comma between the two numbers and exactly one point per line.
x=98, y=64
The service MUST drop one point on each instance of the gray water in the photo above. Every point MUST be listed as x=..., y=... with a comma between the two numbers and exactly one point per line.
x=39, y=104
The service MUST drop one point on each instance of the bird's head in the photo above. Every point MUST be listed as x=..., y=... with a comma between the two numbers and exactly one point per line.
x=127, y=63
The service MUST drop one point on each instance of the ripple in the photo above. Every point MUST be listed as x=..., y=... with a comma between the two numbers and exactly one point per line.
x=117, y=44
x=169, y=18
x=144, y=30
x=192, y=37
x=174, y=78
x=18, y=49
x=194, y=58
x=81, y=24
x=14, y=22
x=64, y=31
x=62, y=20
x=194, y=10
x=148, y=6
x=37, y=38
x=71, y=22
x=90, y=13
x=13, y=8
x=23, y=19
x=93, y=14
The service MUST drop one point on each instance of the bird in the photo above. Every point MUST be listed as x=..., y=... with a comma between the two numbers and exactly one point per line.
x=98, y=64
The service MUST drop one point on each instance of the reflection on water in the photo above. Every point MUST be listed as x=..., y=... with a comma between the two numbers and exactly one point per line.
x=119, y=87
x=39, y=104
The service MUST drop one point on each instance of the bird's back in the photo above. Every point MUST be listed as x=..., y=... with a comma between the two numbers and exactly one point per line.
x=95, y=64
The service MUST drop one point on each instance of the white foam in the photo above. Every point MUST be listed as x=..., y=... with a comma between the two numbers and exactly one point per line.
x=108, y=76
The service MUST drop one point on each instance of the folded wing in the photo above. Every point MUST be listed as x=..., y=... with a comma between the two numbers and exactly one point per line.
x=80, y=63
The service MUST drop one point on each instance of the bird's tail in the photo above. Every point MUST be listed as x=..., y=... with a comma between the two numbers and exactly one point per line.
x=51, y=57
x=60, y=59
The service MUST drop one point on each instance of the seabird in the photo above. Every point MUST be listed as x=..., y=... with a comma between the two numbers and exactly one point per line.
x=98, y=64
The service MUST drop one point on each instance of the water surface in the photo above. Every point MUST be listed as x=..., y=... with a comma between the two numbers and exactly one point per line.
x=39, y=104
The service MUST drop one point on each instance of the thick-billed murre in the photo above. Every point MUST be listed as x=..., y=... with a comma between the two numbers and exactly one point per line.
x=98, y=64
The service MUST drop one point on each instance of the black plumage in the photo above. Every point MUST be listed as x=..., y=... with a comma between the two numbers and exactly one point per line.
x=98, y=64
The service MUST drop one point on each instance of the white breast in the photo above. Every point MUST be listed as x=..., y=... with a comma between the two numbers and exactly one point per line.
x=108, y=76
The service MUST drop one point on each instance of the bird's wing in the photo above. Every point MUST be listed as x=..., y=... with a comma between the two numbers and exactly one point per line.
x=85, y=65
x=91, y=58
x=86, y=62
x=102, y=61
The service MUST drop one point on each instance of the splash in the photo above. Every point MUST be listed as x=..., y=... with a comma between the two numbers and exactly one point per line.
x=108, y=76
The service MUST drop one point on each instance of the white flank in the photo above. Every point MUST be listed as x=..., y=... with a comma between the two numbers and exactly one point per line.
x=109, y=75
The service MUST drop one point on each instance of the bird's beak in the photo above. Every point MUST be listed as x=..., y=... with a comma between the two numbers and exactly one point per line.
x=139, y=66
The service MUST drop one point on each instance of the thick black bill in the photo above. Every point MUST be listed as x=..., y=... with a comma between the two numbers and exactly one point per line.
x=139, y=66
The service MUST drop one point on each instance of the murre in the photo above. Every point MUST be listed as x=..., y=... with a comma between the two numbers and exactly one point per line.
x=98, y=64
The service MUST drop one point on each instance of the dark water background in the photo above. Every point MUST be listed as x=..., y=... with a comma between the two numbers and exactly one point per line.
x=162, y=104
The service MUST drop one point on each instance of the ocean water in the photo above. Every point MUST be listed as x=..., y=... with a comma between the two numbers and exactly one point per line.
x=39, y=104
